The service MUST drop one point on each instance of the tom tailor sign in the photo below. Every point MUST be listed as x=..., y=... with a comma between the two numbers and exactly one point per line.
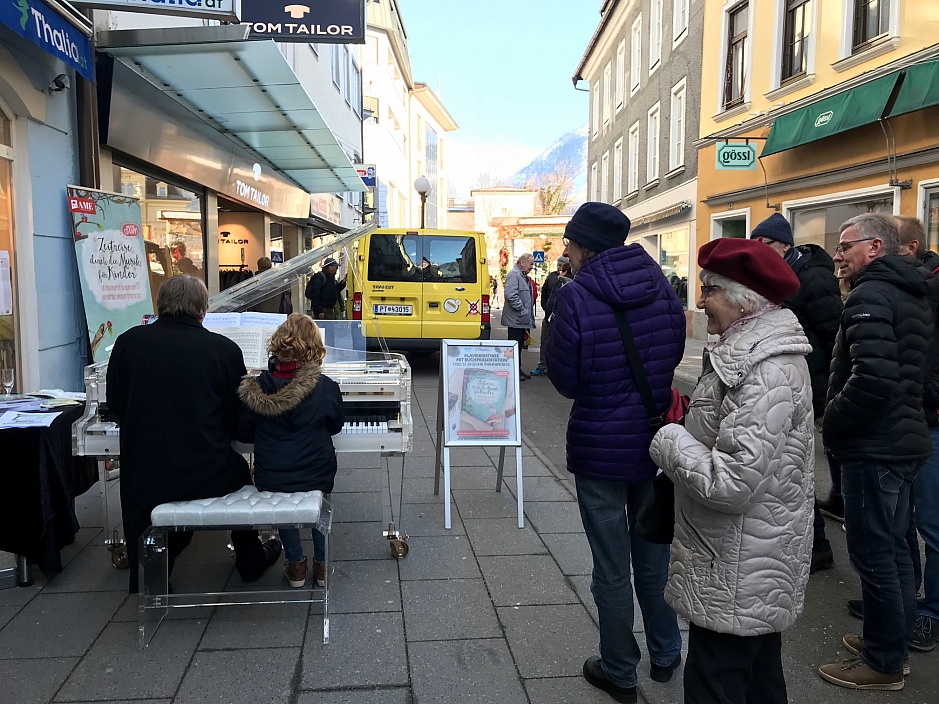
x=223, y=10
x=313, y=21
x=43, y=26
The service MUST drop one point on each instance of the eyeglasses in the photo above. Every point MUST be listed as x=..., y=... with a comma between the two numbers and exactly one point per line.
x=765, y=240
x=845, y=246
x=566, y=242
x=706, y=290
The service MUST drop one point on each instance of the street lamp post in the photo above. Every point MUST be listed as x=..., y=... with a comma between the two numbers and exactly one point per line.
x=422, y=186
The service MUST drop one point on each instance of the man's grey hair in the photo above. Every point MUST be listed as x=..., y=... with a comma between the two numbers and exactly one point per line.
x=736, y=293
x=525, y=257
x=183, y=295
x=875, y=225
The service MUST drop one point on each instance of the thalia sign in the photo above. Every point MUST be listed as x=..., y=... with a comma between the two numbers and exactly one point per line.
x=223, y=10
x=313, y=21
x=43, y=26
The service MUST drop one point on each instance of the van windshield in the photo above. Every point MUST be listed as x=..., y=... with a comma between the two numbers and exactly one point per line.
x=393, y=257
x=428, y=258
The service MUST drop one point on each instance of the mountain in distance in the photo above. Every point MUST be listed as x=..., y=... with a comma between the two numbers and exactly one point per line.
x=572, y=148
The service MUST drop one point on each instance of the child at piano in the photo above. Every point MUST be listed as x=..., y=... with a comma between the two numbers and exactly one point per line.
x=290, y=412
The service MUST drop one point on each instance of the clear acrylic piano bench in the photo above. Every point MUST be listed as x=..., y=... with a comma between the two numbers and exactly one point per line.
x=243, y=509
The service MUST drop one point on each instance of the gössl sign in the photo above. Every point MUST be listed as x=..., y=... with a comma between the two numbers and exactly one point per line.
x=736, y=157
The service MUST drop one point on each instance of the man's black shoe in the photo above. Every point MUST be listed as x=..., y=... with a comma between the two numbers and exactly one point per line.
x=822, y=558
x=856, y=607
x=833, y=507
x=270, y=552
x=925, y=634
x=593, y=673
x=663, y=673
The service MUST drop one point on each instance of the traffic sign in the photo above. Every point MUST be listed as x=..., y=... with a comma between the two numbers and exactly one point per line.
x=736, y=156
x=539, y=257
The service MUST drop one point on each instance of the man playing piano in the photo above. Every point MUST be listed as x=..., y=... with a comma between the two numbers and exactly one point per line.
x=173, y=387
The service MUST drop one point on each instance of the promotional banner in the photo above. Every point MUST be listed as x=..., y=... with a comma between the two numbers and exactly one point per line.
x=334, y=22
x=46, y=28
x=112, y=264
x=480, y=385
x=223, y=10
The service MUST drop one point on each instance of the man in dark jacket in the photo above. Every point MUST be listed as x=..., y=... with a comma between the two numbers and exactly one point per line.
x=172, y=385
x=608, y=434
x=817, y=305
x=561, y=274
x=323, y=290
x=875, y=425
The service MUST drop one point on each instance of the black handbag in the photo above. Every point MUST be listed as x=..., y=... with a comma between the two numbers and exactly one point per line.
x=655, y=517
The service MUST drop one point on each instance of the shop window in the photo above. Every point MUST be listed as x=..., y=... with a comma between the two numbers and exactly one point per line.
x=8, y=323
x=931, y=218
x=674, y=260
x=820, y=224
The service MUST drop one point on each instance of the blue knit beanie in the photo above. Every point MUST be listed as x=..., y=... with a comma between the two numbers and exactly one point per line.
x=775, y=228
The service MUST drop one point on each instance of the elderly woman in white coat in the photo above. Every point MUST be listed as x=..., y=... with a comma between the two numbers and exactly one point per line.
x=518, y=311
x=743, y=469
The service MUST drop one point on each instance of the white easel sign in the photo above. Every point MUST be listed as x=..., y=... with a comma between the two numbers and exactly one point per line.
x=478, y=407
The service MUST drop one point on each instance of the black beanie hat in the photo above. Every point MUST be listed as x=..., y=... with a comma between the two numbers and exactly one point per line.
x=775, y=228
x=598, y=227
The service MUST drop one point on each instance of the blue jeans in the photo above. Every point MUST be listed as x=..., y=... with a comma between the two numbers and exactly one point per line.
x=926, y=514
x=293, y=550
x=604, y=507
x=876, y=518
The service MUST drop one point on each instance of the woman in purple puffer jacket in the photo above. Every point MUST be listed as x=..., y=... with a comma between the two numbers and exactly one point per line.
x=608, y=433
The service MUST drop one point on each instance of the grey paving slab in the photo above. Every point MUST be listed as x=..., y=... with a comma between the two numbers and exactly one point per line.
x=257, y=626
x=19, y=596
x=357, y=507
x=564, y=690
x=526, y=579
x=581, y=585
x=365, y=650
x=482, y=504
x=471, y=671
x=554, y=516
x=418, y=465
x=394, y=695
x=419, y=490
x=427, y=519
x=358, y=541
x=33, y=681
x=359, y=460
x=83, y=538
x=502, y=536
x=439, y=557
x=364, y=586
x=115, y=668
x=7, y=613
x=571, y=551
x=449, y=610
x=471, y=457
x=354, y=480
x=549, y=641
x=544, y=488
x=89, y=571
x=233, y=676
x=58, y=625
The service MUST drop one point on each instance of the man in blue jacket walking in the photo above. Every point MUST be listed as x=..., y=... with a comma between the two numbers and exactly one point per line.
x=608, y=433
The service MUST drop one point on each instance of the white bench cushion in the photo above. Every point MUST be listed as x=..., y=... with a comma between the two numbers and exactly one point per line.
x=247, y=506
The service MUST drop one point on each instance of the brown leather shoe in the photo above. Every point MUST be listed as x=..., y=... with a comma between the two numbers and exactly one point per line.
x=296, y=573
x=855, y=644
x=319, y=573
x=857, y=674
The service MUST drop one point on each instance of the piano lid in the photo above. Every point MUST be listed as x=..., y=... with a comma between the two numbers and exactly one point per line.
x=242, y=296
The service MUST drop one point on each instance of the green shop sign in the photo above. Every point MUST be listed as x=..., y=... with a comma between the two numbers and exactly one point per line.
x=736, y=157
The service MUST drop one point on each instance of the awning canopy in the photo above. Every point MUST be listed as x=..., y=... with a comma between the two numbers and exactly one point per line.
x=244, y=89
x=920, y=88
x=839, y=113
x=661, y=214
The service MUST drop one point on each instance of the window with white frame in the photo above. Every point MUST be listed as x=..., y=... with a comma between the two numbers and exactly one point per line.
x=871, y=20
x=335, y=59
x=605, y=177
x=680, y=18
x=735, y=65
x=635, y=55
x=655, y=34
x=593, y=181
x=595, y=109
x=652, y=143
x=676, y=127
x=607, y=93
x=620, y=95
x=797, y=27
x=632, y=164
x=618, y=170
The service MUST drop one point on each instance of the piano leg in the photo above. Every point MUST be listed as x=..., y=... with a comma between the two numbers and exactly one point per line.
x=397, y=540
x=112, y=539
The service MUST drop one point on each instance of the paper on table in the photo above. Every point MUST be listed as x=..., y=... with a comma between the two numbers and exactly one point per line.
x=17, y=419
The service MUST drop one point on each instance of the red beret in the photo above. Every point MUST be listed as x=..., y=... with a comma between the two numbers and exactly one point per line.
x=751, y=263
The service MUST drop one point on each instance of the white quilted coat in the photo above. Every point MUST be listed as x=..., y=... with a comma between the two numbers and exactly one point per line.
x=743, y=466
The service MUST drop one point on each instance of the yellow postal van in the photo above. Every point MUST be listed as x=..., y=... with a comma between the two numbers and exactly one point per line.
x=416, y=287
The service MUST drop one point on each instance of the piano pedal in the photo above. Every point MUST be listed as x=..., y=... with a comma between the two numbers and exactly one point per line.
x=118, y=551
x=396, y=541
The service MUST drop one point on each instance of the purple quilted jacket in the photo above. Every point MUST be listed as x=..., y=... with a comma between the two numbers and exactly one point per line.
x=608, y=433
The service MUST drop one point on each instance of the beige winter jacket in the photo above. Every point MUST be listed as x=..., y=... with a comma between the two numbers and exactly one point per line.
x=743, y=467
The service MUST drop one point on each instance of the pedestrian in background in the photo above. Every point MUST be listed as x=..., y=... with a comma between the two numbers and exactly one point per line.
x=323, y=291
x=875, y=425
x=608, y=433
x=518, y=311
x=817, y=304
x=743, y=468
x=547, y=290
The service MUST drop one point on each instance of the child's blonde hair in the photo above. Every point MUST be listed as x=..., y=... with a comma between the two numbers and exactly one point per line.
x=298, y=339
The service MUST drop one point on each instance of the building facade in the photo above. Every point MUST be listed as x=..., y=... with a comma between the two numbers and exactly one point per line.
x=643, y=67
x=430, y=123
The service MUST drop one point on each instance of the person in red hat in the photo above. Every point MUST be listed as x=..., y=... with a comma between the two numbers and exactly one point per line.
x=743, y=467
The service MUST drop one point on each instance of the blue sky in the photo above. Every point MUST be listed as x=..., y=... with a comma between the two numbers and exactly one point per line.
x=503, y=69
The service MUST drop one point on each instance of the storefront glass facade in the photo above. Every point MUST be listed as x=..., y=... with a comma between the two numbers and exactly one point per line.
x=8, y=325
x=932, y=218
x=820, y=224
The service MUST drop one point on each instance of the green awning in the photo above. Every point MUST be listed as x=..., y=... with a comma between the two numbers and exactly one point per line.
x=839, y=113
x=920, y=88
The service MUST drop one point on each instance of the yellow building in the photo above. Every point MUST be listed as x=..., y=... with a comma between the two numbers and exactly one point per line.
x=841, y=99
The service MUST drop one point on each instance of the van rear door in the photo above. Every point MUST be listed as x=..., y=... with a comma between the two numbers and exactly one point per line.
x=452, y=286
x=392, y=294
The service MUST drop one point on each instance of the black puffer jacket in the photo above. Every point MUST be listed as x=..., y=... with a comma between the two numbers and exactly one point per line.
x=817, y=305
x=291, y=423
x=875, y=393
x=930, y=262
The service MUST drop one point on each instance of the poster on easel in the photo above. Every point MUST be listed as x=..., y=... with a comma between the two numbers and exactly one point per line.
x=112, y=264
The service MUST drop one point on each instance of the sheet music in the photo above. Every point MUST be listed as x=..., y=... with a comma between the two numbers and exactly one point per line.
x=252, y=339
x=218, y=320
x=266, y=319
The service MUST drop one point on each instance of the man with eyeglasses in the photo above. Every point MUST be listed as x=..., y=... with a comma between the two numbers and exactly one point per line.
x=817, y=305
x=875, y=425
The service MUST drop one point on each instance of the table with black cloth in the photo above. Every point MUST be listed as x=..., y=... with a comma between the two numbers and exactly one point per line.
x=40, y=480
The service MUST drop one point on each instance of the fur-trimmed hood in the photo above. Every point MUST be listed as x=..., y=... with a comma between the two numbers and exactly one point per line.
x=270, y=397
